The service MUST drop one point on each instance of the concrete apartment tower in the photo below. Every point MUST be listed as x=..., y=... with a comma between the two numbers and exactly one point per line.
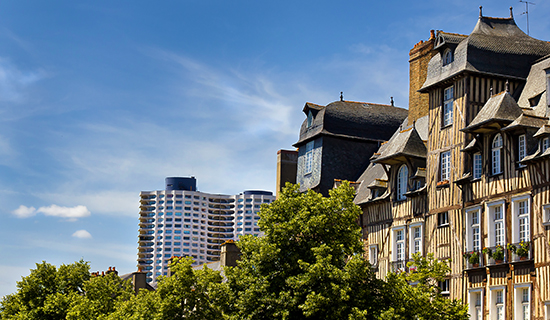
x=181, y=221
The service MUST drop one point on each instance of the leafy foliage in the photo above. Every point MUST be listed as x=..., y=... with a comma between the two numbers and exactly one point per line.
x=416, y=294
x=309, y=264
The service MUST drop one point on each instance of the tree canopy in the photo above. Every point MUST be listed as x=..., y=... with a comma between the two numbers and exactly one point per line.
x=309, y=265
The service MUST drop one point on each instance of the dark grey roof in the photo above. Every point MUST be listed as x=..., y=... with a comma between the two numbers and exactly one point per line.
x=498, y=110
x=496, y=46
x=536, y=87
x=369, y=177
x=349, y=119
x=403, y=144
x=526, y=121
x=447, y=38
x=472, y=146
x=544, y=130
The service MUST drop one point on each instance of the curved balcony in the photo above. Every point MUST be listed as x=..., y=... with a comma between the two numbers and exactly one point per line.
x=220, y=230
x=215, y=240
x=148, y=250
x=143, y=256
x=220, y=236
x=211, y=247
x=220, y=218
x=221, y=224
x=145, y=238
x=213, y=253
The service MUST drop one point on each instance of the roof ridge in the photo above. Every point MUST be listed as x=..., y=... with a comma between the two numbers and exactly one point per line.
x=453, y=33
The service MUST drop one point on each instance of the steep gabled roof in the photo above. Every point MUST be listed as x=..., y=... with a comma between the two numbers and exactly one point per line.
x=526, y=121
x=495, y=47
x=406, y=143
x=498, y=111
x=534, y=93
x=354, y=120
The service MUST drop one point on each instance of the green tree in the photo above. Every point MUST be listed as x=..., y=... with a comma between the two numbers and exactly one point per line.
x=187, y=294
x=309, y=264
x=101, y=294
x=416, y=294
x=46, y=293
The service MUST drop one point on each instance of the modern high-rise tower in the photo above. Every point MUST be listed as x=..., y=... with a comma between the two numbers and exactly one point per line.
x=181, y=221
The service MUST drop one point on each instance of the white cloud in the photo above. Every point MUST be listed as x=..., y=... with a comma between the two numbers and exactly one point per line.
x=24, y=212
x=82, y=234
x=65, y=212
x=13, y=81
x=54, y=211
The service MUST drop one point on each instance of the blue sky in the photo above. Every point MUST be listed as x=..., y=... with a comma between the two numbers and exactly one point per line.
x=102, y=99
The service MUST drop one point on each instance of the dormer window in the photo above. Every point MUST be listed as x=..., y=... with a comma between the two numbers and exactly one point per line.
x=402, y=180
x=545, y=144
x=447, y=57
x=496, y=154
x=309, y=119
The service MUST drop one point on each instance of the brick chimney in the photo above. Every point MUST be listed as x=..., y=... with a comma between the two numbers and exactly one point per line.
x=230, y=253
x=139, y=280
x=419, y=56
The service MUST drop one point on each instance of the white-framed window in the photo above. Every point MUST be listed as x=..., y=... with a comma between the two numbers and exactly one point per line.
x=445, y=166
x=545, y=144
x=402, y=181
x=475, y=304
x=497, y=305
x=309, y=157
x=398, y=252
x=373, y=254
x=521, y=219
x=447, y=57
x=522, y=301
x=416, y=236
x=496, y=223
x=473, y=229
x=448, y=99
x=522, y=148
x=444, y=286
x=443, y=219
x=496, y=154
x=309, y=119
x=478, y=166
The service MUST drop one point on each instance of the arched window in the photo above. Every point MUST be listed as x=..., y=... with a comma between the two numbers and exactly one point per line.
x=496, y=154
x=447, y=57
x=402, y=180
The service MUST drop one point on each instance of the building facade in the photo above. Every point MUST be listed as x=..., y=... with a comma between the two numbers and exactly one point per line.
x=337, y=140
x=469, y=179
x=182, y=221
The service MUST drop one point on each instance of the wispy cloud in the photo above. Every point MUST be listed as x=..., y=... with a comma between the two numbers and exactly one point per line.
x=13, y=81
x=82, y=234
x=71, y=213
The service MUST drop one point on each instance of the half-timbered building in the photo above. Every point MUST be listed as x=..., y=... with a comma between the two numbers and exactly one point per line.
x=467, y=176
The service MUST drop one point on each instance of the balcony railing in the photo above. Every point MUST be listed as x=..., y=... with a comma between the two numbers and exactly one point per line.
x=496, y=255
x=399, y=266
x=474, y=259
x=521, y=251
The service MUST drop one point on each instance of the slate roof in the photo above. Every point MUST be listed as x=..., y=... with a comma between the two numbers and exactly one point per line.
x=350, y=119
x=496, y=46
x=368, y=179
x=405, y=143
x=498, y=110
x=447, y=38
x=526, y=121
x=536, y=87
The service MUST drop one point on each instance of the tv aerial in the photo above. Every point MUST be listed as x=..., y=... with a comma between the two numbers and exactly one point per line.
x=526, y=12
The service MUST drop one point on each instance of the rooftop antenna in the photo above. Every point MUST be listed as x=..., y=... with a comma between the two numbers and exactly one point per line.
x=526, y=13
